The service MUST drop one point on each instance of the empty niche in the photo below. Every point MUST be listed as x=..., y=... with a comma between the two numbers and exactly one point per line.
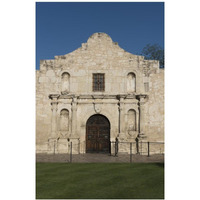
x=131, y=82
x=64, y=120
x=131, y=120
x=65, y=83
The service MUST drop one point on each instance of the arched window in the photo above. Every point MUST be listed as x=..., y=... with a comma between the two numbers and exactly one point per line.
x=65, y=83
x=131, y=82
x=131, y=120
x=64, y=120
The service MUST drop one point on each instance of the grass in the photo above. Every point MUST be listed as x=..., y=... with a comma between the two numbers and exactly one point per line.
x=99, y=180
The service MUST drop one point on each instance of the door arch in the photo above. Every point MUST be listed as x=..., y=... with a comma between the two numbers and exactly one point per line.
x=98, y=134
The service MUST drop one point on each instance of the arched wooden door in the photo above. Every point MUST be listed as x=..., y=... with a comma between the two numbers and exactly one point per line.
x=98, y=134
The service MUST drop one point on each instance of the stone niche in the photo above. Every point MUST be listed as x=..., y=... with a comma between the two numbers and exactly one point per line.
x=131, y=82
x=65, y=83
x=132, y=123
x=64, y=122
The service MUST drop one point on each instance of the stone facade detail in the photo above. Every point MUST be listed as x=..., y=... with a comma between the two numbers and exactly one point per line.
x=132, y=101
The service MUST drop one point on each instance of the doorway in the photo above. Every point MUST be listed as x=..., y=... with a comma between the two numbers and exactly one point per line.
x=98, y=134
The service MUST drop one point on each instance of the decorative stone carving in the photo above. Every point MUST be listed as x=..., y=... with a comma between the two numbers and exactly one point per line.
x=97, y=108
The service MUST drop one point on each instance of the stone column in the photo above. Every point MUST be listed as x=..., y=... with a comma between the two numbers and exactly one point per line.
x=53, y=136
x=142, y=123
x=121, y=118
x=54, y=104
x=74, y=138
x=74, y=117
x=142, y=101
x=54, y=119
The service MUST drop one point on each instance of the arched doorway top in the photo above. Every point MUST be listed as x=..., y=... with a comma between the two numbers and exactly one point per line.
x=99, y=119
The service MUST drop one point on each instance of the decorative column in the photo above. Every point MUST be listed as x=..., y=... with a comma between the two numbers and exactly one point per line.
x=121, y=118
x=53, y=136
x=142, y=142
x=54, y=119
x=142, y=123
x=74, y=117
x=74, y=138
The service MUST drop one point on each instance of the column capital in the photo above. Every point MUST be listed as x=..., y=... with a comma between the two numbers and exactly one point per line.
x=142, y=99
x=54, y=96
x=54, y=105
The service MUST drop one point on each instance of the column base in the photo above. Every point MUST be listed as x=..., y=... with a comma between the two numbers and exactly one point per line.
x=75, y=142
x=62, y=145
x=52, y=146
x=142, y=145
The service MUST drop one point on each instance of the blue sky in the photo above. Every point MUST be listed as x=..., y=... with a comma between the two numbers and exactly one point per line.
x=62, y=27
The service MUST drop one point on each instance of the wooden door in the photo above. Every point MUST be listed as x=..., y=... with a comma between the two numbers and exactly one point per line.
x=98, y=134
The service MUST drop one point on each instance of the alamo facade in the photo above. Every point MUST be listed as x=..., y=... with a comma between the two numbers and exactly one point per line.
x=96, y=95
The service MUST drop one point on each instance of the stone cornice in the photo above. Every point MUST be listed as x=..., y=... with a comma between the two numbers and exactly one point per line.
x=141, y=96
x=54, y=96
x=100, y=96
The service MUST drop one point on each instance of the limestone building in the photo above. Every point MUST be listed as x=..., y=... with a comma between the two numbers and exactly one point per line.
x=96, y=95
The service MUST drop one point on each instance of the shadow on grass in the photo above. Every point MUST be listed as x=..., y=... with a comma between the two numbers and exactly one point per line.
x=160, y=164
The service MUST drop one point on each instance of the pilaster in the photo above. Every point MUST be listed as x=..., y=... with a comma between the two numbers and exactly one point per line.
x=52, y=141
x=142, y=101
x=54, y=103
x=121, y=117
x=74, y=119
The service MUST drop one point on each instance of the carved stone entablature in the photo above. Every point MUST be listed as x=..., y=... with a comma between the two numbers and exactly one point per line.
x=143, y=98
x=98, y=96
x=121, y=96
x=131, y=96
x=66, y=96
x=54, y=96
x=54, y=102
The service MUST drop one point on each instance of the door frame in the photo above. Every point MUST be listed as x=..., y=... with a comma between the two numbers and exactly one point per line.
x=109, y=127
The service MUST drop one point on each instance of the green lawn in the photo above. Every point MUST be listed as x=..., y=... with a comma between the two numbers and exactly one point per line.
x=99, y=180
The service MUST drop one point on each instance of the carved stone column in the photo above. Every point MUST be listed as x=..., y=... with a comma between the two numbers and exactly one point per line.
x=142, y=138
x=54, y=120
x=52, y=142
x=141, y=116
x=121, y=118
x=74, y=138
x=54, y=104
x=74, y=117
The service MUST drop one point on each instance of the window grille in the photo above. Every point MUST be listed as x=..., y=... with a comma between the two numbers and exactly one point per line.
x=98, y=82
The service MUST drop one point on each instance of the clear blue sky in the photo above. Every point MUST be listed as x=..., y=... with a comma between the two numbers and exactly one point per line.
x=62, y=27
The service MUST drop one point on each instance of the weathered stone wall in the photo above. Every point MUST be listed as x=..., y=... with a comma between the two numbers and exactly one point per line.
x=99, y=55
x=155, y=107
